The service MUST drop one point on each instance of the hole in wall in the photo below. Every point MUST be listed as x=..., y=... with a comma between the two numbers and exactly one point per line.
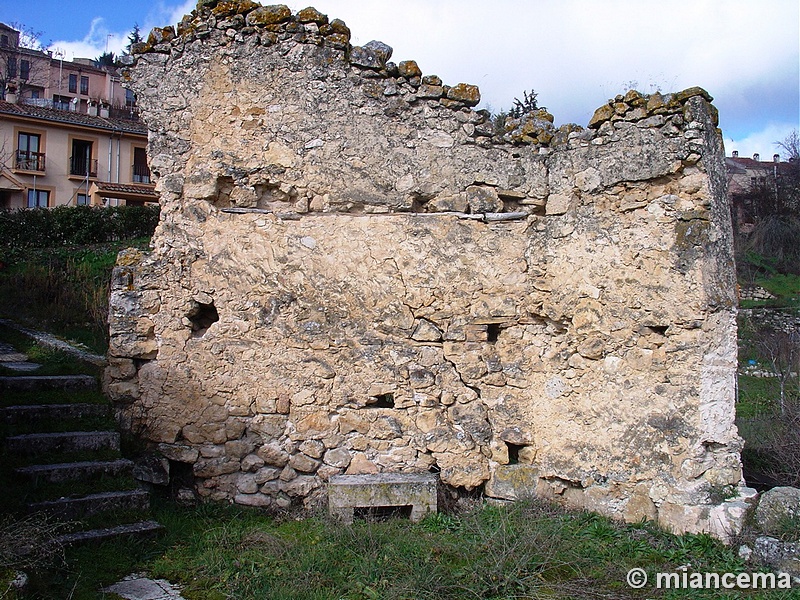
x=659, y=329
x=381, y=401
x=419, y=202
x=181, y=476
x=493, y=332
x=382, y=513
x=513, y=453
x=202, y=316
x=138, y=363
x=224, y=188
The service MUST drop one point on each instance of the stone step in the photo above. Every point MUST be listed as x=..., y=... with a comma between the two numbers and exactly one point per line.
x=32, y=383
x=75, y=508
x=70, y=441
x=92, y=535
x=62, y=472
x=14, y=415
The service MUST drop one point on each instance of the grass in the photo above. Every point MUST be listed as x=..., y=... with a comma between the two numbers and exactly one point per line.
x=527, y=550
x=53, y=397
x=64, y=290
x=53, y=361
x=757, y=396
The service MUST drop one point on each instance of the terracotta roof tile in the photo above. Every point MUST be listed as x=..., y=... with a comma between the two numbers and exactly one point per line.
x=73, y=118
x=127, y=188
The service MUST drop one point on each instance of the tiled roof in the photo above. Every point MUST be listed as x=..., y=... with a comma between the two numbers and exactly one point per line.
x=127, y=188
x=736, y=164
x=72, y=118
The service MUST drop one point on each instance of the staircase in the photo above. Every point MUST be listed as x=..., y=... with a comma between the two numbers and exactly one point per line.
x=62, y=457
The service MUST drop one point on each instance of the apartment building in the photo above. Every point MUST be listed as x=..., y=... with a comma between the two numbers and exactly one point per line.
x=69, y=132
x=754, y=185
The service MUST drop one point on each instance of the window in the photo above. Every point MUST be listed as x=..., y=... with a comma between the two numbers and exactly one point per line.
x=29, y=158
x=38, y=198
x=73, y=83
x=24, y=69
x=84, y=85
x=4, y=41
x=12, y=67
x=130, y=99
x=34, y=93
x=81, y=199
x=141, y=172
x=81, y=162
x=61, y=102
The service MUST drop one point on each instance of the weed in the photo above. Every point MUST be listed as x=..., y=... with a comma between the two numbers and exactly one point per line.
x=64, y=290
x=30, y=542
x=787, y=528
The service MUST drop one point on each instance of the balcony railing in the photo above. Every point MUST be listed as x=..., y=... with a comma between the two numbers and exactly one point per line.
x=141, y=174
x=80, y=165
x=47, y=103
x=30, y=161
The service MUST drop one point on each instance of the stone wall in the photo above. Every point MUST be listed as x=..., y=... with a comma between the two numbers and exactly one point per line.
x=356, y=272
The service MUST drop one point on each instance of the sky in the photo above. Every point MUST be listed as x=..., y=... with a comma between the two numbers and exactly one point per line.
x=576, y=54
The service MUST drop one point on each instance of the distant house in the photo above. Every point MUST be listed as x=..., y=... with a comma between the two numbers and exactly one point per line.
x=753, y=186
x=69, y=132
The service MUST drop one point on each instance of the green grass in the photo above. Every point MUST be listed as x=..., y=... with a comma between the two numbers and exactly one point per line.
x=757, y=396
x=63, y=289
x=785, y=286
x=52, y=361
x=527, y=550
x=52, y=397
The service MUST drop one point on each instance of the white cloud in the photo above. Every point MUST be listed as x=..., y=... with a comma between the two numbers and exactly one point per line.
x=764, y=142
x=576, y=54
x=97, y=41
x=100, y=39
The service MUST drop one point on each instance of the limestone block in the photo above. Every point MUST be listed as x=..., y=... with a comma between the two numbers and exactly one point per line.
x=775, y=507
x=257, y=500
x=337, y=457
x=179, y=452
x=466, y=93
x=347, y=492
x=272, y=454
x=513, y=482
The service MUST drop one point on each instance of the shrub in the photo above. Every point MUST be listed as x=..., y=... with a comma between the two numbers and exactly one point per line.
x=74, y=225
x=777, y=237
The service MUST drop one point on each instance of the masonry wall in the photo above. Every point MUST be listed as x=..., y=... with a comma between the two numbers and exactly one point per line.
x=355, y=272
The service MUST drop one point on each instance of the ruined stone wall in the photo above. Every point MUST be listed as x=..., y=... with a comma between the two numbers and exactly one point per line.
x=355, y=272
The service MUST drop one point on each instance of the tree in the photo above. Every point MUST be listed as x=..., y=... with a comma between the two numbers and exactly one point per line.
x=24, y=62
x=524, y=106
x=782, y=350
x=134, y=37
x=106, y=59
x=788, y=183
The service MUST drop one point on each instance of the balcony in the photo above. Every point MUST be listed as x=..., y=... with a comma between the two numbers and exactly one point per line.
x=82, y=166
x=29, y=161
x=141, y=174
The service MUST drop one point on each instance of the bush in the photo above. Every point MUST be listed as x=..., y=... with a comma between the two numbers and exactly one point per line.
x=776, y=237
x=74, y=225
x=55, y=265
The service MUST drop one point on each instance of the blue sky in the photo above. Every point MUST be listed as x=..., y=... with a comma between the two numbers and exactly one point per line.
x=576, y=54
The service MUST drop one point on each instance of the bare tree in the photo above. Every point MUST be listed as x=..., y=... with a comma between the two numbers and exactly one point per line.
x=788, y=183
x=24, y=61
x=782, y=350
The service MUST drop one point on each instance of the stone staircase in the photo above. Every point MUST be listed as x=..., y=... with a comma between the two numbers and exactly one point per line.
x=77, y=476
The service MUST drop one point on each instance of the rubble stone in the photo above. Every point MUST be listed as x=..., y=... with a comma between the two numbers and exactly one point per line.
x=349, y=279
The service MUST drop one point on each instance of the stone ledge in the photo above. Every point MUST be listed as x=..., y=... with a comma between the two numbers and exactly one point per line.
x=348, y=492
